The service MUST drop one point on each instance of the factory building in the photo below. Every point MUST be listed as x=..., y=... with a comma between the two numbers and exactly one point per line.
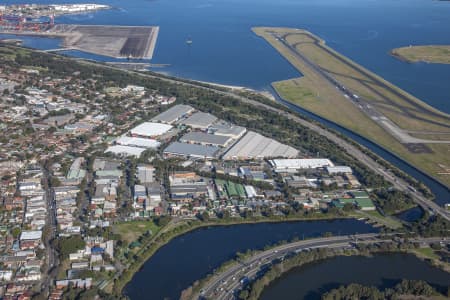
x=125, y=150
x=339, y=169
x=150, y=130
x=145, y=174
x=200, y=120
x=255, y=146
x=138, y=142
x=226, y=129
x=206, y=139
x=174, y=114
x=291, y=165
x=191, y=151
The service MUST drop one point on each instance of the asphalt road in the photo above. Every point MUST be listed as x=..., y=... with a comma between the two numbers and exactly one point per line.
x=51, y=234
x=224, y=285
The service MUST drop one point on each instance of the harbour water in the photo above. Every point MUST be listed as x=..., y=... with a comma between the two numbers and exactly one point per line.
x=224, y=49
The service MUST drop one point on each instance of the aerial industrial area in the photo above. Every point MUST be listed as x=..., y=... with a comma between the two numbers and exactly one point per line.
x=101, y=167
x=76, y=170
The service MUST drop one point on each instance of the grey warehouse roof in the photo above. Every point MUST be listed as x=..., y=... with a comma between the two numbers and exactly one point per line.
x=205, y=138
x=173, y=114
x=184, y=149
x=200, y=120
x=227, y=129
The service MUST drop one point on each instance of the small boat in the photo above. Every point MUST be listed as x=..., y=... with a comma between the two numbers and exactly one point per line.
x=189, y=41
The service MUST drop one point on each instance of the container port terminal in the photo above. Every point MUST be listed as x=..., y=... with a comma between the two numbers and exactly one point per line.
x=136, y=42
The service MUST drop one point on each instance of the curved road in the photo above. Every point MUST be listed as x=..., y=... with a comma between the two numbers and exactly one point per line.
x=224, y=285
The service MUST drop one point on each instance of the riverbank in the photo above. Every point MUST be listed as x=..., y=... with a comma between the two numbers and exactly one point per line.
x=179, y=227
x=413, y=122
x=273, y=270
x=438, y=54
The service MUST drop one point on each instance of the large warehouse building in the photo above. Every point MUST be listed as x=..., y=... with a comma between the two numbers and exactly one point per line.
x=174, y=114
x=150, y=130
x=226, y=129
x=125, y=150
x=206, y=139
x=290, y=165
x=137, y=142
x=191, y=151
x=255, y=146
x=200, y=120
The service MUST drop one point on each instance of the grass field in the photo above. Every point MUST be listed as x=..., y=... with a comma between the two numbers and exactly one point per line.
x=131, y=231
x=439, y=54
x=312, y=92
x=375, y=216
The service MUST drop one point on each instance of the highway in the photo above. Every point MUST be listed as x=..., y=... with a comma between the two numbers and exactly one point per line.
x=224, y=285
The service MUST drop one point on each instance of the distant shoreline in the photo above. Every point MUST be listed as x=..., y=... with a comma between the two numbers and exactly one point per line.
x=437, y=54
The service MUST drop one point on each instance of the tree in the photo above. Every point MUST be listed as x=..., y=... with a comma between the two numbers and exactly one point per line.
x=243, y=294
x=69, y=245
x=15, y=232
x=162, y=220
x=55, y=182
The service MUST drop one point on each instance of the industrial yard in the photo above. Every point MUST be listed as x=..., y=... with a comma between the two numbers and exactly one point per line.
x=202, y=136
x=107, y=40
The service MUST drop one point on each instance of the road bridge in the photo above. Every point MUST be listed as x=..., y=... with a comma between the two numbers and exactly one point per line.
x=224, y=285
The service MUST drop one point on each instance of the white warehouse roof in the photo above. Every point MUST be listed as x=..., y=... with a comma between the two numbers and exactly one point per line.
x=137, y=142
x=339, y=169
x=255, y=146
x=31, y=235
x=306, y=163
x=150, y=129
x=125, y=150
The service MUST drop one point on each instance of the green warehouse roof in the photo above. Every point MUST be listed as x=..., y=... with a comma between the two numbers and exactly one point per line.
x=364, y=202
x=360, y=194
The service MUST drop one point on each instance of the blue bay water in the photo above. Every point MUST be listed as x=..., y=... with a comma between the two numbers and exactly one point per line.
x=224, y=49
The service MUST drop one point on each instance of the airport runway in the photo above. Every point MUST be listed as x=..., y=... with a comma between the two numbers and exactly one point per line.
x=363, y=104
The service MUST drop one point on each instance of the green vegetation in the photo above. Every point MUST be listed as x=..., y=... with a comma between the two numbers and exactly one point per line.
x=130, y=231
x=393, y=201
x=406, y=288
x=439, y=54
x=65, y=246
x=312, y=92
x=275, y=271
x=426, y=253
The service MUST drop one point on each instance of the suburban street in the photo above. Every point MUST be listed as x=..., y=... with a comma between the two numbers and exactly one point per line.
x=50, y=234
